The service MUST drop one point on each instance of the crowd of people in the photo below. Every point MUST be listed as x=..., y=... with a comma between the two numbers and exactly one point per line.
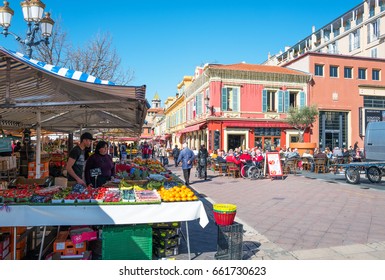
x=99, y=167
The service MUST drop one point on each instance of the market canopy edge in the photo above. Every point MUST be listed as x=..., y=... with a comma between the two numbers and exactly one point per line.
x=28, y=86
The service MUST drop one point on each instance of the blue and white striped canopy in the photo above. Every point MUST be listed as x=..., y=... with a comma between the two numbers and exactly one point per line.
x=64, y=72
x=67, y=99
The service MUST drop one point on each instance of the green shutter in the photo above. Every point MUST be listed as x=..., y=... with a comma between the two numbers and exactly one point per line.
x=301, y=99
x=224, y=99
x=286, y=100
x=235, y=100
x=264, y=100
x=280, y=101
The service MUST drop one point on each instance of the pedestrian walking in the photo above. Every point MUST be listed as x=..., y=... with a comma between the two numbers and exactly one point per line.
x=162, y=154
x=202, y=162
x=186, y=156
x=175, y=154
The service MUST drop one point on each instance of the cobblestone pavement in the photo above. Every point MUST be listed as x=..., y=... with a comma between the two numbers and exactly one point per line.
x=303, y=216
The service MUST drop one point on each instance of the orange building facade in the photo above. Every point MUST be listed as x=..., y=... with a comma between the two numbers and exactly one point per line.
x=348, y=91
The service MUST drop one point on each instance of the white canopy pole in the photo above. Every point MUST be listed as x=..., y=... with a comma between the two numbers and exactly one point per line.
x=38, y=144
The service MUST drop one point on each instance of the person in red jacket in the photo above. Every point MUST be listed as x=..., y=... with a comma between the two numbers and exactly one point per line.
x=245, y=158
x=232, y=158
x=146, y=151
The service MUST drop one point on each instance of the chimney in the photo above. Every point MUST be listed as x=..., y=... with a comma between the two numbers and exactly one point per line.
x=313, y=29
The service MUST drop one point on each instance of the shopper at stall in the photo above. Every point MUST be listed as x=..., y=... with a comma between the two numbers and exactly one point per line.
x=146, y=151
x=99, y=166
x=162, y=154
x=203, y=154
x=76, y=159
x=17, y=148
x=186, y=156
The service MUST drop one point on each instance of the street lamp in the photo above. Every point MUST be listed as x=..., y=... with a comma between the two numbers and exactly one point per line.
x=33, y=14
x=207, y=103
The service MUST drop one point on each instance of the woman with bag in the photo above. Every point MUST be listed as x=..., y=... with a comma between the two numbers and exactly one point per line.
x=202, y=162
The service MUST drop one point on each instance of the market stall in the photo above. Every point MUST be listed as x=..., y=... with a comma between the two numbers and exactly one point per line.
x=143, y=192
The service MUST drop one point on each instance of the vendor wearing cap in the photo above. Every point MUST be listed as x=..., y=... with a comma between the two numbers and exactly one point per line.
x=76, y=159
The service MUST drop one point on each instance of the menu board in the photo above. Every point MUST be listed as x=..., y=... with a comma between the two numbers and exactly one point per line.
x=274, y=163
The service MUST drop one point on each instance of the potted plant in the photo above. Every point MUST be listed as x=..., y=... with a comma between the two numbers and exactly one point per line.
x=302, y=119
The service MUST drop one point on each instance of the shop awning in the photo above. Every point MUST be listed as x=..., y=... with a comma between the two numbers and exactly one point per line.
x=193, y=128
x=165, y=136
x=255, y=124
x=67, y=100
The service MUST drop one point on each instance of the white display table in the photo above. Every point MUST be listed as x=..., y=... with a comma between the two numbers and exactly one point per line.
x=93, y=214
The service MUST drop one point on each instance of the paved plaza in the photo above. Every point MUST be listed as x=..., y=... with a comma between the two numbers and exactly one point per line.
x=303, y=216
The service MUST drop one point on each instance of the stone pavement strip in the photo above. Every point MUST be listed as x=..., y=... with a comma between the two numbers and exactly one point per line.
x=302, y=217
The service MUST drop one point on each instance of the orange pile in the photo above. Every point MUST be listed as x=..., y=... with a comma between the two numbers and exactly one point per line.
x=181, y=193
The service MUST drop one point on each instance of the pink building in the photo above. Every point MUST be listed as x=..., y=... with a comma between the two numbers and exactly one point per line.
x=242, y=105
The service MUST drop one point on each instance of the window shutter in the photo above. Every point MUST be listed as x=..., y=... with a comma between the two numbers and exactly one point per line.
x=224, y=99
x=301, y=99
x=378, y=33
x=280, y=101
x=235, y=100
x=286, y=102
x=264, y=100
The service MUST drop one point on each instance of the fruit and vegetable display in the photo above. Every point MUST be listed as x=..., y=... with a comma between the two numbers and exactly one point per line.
x=142, y=181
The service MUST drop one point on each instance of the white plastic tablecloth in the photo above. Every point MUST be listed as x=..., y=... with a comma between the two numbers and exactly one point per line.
x=55, y=215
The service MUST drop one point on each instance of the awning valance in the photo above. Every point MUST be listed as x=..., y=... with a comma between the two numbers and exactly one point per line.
x=193, y=128
x=256, y=124
x=67, y=100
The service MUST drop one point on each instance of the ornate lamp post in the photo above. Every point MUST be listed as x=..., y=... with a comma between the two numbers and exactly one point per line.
x=207, y=104
x=33, y=14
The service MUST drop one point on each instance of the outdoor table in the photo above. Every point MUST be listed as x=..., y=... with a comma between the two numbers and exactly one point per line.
x=102, y=214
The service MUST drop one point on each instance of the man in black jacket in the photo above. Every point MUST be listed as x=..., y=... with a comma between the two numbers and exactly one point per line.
x=202, y=162
x=175, y=155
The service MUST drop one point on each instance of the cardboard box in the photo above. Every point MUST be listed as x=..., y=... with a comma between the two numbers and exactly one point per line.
x=19, y=230
x=4, y=252
x=82, y=234
x=65, y=246
x=5, y=240
x=87, y=255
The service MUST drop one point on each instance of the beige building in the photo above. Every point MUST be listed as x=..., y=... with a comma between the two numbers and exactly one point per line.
x=358, y=32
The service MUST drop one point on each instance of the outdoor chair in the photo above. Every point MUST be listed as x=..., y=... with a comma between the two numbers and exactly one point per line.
x=306, y=165
x=320, y=165
x=290, y=166
x=232, y=169
x=222, y=168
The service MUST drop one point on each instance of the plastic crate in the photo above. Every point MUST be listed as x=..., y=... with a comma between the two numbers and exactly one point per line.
x=163, y=253
x=127, y=242
x=229, y=245
x=166, y=243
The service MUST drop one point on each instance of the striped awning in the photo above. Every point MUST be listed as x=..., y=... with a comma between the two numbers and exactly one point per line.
x=67, y=99
x=63, y=72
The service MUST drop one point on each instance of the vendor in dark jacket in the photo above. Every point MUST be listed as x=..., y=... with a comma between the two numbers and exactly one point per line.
x=102, y=161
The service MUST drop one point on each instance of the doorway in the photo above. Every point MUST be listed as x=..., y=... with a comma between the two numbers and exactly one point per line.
x=235, y=141
x=332, y=139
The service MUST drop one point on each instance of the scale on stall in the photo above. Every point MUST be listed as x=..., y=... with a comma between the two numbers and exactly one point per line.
x=95, y=173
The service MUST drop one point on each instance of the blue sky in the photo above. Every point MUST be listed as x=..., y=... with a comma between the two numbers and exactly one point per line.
x=162, y=41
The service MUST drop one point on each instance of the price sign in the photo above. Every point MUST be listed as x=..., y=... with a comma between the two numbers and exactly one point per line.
x=95, y=172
